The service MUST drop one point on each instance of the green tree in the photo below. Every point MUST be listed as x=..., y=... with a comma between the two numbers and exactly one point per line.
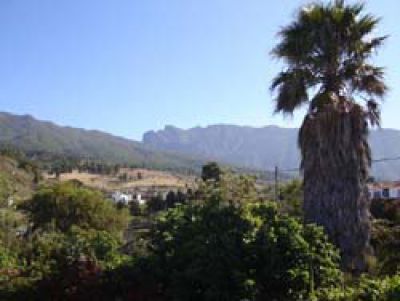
x=170, y=199
x=327, y=51
x=291, y=198
x=211, y=171
x=386, y=242
x=231, y=188
x=12, y=224
x=100, y=246
x=293, y=260
x=64, y=266
x=156, y=203
x=202, y=254
x=64, y=205
x=134, y=208
x=365, y=289
x=8, y=260
x=220, y=251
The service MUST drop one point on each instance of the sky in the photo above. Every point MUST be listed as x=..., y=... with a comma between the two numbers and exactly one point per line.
x=129, y=66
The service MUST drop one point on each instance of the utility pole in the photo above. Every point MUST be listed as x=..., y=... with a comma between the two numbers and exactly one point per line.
x=276, y=183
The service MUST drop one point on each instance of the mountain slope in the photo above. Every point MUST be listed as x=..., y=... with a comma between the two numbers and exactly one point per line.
x=253, y=147
x=262, y=148
x=33, y=136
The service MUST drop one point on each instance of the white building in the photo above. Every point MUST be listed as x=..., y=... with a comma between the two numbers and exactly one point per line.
x=140, y=200
x=384, y=190
x=126, y=198
x=120, y=197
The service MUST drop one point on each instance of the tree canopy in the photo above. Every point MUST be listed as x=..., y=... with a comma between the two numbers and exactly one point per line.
x=64, y=205
x=327, y=50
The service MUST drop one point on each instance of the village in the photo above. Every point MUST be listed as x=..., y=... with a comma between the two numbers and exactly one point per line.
x=384, y=190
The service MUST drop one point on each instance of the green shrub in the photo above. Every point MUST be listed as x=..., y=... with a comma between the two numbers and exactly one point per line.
x=293, y=260
x=230, y=252
x=365, y=289
x=64, y=205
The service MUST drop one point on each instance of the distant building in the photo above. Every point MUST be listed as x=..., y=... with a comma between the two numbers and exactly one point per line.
x=126, y=198
x=384, y=190
x=139, y=199
x=120, y=197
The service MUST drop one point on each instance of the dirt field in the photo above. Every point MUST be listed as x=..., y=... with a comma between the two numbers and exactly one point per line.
x=135, y=178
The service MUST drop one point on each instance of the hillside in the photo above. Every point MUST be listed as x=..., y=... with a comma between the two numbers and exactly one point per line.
x=262, y=148
x=39, y=137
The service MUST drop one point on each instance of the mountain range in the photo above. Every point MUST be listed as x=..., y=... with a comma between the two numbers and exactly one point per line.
x=172, y=148
x=42, y=138
x=265, y=147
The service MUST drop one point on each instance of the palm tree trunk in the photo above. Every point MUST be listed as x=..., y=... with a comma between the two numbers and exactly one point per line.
x=335, y=162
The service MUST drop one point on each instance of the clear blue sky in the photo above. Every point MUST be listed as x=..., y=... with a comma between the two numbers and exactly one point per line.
x=129, y=66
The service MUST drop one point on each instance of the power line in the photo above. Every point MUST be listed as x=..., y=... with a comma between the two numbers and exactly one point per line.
x=278, y=171
x=373, y=161
x=386, y=159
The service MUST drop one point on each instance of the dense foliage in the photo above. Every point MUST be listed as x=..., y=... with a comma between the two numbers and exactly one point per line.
x=69, y=235
x=63, y=205
x=225, y=252
x=225, y=240
x=220, y=242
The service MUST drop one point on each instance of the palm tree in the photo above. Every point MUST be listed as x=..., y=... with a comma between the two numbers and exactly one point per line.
x=327, y=51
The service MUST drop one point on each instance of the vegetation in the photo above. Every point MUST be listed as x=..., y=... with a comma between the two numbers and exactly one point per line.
x=220, y=242
x=64, y=205
x=327, y=51
x=211, y=172
x=224, y=239
x=222, y=252
x=17, y=179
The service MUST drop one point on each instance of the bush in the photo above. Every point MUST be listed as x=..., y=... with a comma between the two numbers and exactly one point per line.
x=69, y=266
x=366, y=289
x=202, y=253
x=386, y=209
x=291, y=198
x=8, y=263
x=227, y=252
x=293, y=260
x=386, y=243
x=63, y=205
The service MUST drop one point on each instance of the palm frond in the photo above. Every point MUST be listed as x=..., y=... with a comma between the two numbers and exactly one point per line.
x=365, y=25
x=373, y=112
x=369, y=79
x=292, y=88
x=296, y=43
x=332, y=42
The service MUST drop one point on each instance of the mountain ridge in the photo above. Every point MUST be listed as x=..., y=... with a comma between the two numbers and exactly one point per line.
x=29, y=134
x=251, y=148
x=263, y=147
